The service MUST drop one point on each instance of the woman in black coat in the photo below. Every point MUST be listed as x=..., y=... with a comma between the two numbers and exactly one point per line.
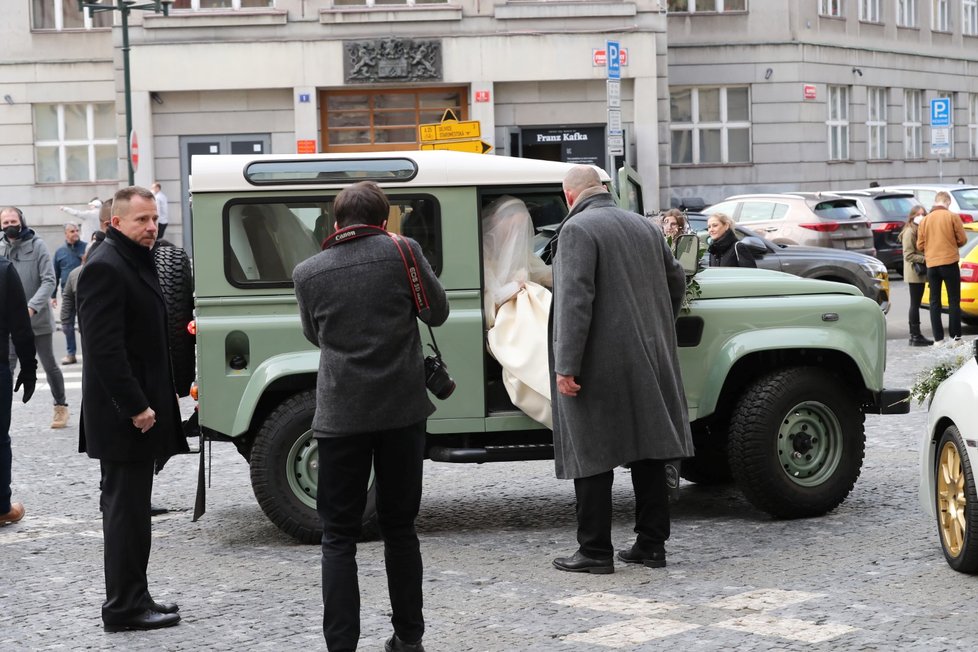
x=725, y=250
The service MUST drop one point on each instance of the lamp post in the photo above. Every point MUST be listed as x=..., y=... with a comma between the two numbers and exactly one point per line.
x=124, y=7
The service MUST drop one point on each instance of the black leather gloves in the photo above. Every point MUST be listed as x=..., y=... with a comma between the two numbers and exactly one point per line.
x=27, y=378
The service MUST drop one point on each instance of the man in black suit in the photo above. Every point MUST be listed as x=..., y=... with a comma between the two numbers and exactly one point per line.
x=130, y=419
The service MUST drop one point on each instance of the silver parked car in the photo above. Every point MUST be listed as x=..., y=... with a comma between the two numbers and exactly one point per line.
x=964, y=199
x=802, y=218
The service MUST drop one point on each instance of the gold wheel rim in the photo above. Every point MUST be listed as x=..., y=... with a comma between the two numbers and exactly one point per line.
x=951, y=500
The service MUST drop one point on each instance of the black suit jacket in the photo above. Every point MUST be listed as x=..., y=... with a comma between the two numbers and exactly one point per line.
x=122, y=317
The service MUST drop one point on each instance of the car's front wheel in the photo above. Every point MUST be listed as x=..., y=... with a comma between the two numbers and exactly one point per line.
x=956, y=503
x=284, y=470
x=796, y=442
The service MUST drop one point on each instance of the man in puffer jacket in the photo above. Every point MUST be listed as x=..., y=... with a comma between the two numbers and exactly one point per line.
x=32, y=261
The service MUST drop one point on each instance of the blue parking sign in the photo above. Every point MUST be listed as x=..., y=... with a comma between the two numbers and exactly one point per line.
x=613, y=51
x=940, y=112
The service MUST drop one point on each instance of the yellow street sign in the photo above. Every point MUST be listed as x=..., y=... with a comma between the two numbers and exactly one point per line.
x=450, y=128
x=472, y=146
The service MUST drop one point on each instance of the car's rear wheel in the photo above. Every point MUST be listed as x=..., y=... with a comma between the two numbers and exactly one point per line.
x=796, y=442
x=956, y=503
x=284, y=471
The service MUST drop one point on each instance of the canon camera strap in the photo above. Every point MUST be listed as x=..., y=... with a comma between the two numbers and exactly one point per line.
x=410, y=268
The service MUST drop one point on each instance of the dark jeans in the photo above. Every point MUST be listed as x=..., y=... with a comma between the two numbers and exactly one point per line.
x=916, y=294
x=344, y=472
x=127, y=531
x=6, y=457
x=651, y=509
x=160, y=230
x=949, y=275
x=69, y=331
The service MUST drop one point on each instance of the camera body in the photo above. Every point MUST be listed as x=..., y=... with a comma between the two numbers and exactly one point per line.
x=436, y=377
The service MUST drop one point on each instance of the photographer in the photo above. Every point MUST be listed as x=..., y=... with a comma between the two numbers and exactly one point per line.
x=357, y=305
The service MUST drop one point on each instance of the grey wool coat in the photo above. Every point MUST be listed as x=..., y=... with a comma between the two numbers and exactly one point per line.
x=617, y=291
x=32, y=261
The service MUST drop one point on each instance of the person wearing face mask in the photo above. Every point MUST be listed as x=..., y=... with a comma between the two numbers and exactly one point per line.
x=724, y=248
x=32, y=261
x=914, y=272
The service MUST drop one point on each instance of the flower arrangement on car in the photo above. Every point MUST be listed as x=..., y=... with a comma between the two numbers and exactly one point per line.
x=947, y=360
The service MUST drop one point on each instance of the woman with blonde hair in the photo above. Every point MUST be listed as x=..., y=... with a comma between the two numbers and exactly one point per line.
x=914, y=272
x=725, y=250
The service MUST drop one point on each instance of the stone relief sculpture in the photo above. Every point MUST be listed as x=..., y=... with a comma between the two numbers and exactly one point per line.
x=391, y=59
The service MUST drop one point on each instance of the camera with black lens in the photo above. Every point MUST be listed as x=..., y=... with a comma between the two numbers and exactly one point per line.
x=436, y=377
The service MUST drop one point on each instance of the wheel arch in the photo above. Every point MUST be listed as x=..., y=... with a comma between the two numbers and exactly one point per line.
x=282, y=374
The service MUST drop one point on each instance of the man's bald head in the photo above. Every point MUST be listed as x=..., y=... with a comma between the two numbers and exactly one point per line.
x=579, y=179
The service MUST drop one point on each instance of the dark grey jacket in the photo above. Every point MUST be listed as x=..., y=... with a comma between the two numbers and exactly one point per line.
x=356, y=306
x=617, y=289
x=32, y=261
x=14, y=322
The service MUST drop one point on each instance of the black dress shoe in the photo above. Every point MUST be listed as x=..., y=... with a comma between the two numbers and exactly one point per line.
x=579, y=563
x=920, y=340
x=637, y=556
x=164, y=608
x=394, y=644
x=149, y=619
x=155, y=510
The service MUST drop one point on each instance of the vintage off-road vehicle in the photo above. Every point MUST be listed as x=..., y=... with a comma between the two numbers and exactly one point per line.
x=779, y=371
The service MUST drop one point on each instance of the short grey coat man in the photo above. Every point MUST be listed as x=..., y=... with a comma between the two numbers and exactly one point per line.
x=356, y=304
x=617, y=392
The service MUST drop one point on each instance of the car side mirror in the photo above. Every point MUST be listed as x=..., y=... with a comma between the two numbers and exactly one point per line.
x=687, y=251
x=754, y=244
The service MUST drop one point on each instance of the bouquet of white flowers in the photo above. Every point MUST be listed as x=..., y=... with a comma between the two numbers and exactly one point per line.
x=947, y=360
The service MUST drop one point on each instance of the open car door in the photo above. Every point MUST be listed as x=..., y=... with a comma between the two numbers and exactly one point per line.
x=630, y=190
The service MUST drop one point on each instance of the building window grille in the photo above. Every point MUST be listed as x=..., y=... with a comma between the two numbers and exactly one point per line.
x=838, y=123
x=61, y=15
x=912, y=124
x=940, y=16
x=705, y=6
x=906, y=13
x=869, y=11
x=75, y=143
x=969, y=17
x=710, y=125
x=830, y=8
x=876, y=122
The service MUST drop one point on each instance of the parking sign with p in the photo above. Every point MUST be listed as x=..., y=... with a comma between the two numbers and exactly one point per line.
x=940, y=112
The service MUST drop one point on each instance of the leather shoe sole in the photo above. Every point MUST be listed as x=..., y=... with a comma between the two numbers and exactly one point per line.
x=578, y=563
x=149, y=619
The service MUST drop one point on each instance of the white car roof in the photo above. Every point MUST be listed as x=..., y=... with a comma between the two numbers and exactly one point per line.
x=226, y=173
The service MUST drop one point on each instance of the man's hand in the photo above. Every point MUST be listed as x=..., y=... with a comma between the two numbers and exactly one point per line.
x=28, y=379
x=54, y=303
x=145, y=420
x=31, y=312
x=567, y=385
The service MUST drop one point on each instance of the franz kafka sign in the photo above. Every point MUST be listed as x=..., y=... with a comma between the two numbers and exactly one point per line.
x=391, y=59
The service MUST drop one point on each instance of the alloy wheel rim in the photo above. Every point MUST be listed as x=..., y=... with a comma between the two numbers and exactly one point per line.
x=810, y=443
x=951, y=499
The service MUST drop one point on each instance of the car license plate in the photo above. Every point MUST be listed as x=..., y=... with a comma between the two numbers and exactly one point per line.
x=855, y=244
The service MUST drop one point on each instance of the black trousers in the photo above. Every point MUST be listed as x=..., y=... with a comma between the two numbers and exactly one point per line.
x=651, y=509
x=126, y=528
x=949, y=275
x=916, y=295
x=344, y=473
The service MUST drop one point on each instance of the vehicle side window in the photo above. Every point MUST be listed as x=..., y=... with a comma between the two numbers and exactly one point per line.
x=780, y=210
x=547, y=210
x=265, y=240
x=926, y=197
x=727, y=208
x=756, y=211
x=967, y=199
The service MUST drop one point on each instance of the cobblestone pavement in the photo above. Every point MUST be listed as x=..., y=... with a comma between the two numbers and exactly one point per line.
x=869, y=576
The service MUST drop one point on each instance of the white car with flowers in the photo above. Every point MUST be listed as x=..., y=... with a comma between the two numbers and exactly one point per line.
x=949, y=456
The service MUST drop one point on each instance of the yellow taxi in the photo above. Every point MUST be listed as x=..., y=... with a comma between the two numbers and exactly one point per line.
x=969, y=278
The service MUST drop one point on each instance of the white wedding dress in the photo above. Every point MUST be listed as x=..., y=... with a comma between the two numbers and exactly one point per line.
x=517, y=306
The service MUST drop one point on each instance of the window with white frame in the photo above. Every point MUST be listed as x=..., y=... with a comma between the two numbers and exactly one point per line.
x=838, y=123
x=705, y=6
x=197, y=5
x=75, y=142
x=64, y=14
x=940, y=20
x=906, y=13
x=710, y=125
x=973, y=125
x=969, y=17
x=912, y=124
x=830, y=8
x=950, y=98
x=876, y=122
x=869, y=11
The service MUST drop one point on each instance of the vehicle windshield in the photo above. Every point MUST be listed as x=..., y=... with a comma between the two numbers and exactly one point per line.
x=895, y=208
x=839, y=210
x=967, y=199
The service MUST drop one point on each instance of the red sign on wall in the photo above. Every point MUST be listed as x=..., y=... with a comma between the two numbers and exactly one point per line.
x=482, y=96
x=599, y=58
x=808, y=92
x=305, y=146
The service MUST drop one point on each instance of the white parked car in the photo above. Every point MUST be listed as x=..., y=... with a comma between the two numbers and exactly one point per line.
x=949, y=464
